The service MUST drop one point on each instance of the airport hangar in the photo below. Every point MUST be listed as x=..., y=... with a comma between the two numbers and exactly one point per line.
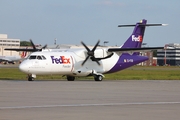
x=6, y=42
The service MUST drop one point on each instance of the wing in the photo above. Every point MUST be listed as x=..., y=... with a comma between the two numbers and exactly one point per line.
x=21, y=49
x=134, y=49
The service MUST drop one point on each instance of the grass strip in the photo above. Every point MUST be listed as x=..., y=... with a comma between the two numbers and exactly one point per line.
x=133, y=73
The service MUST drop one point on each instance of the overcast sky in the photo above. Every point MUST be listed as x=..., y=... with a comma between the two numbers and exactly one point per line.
x=73, y=21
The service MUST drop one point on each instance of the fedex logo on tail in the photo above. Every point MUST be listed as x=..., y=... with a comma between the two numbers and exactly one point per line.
x=137, y=39
x=60, y=60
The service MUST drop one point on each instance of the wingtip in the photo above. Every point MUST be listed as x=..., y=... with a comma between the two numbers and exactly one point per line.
x=164, y=24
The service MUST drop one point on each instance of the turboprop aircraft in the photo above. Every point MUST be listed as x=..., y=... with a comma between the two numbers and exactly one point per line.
x=89, y=62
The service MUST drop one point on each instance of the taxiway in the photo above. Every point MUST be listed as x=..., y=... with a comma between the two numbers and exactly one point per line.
x=77, y=100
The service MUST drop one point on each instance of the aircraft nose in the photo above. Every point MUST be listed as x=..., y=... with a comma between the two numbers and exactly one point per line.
x=23, y=67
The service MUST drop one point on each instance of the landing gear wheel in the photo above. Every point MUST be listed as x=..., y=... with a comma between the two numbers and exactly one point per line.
x=70, y=78
x=30, y=78
x=98, y=78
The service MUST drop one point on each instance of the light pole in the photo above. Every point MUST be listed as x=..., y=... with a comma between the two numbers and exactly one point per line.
x=55, y=41
x=105, y=42
x=165, y=54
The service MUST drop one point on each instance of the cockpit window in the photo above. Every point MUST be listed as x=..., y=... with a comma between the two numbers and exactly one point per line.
x=43, y=57
x=32, y=57
x=38, y=57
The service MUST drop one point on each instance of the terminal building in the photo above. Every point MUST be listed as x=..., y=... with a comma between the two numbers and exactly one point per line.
x=6, y=42
x=170, y=55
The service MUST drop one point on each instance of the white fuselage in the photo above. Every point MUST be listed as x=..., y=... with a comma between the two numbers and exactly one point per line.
x=67, y=62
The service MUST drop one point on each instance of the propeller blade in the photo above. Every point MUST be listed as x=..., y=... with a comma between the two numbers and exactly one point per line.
x=85, y=60
x=85, y=47
x=98, y=62
x=43, y=47
x=95, y=46
x=34, y=47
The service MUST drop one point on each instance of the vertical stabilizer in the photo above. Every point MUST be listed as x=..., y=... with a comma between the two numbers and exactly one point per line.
x=136, y=38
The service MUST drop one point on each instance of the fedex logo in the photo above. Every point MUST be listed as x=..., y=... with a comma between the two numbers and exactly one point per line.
x=60, y=60
x=137, y=39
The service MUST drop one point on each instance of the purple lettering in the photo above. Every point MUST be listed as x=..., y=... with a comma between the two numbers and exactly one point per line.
x=52, y=57
x=60, y=60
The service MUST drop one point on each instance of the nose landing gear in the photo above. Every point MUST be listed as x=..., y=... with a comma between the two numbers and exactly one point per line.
x=31, y=77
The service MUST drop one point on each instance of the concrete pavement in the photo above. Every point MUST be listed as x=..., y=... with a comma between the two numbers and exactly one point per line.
x=67, y=100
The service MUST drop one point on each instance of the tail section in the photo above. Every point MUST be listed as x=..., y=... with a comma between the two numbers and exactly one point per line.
x=132, y=44
x=24, y=54
x=136, y=38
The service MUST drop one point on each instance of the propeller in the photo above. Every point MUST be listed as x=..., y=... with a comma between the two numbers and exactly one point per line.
x=90, y=53
x=34, y=47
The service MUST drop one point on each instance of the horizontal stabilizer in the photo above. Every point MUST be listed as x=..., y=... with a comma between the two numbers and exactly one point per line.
x=133, y=49
x=146, y=25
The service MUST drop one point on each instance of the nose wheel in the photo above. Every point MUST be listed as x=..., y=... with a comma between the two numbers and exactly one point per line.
x=30, y=78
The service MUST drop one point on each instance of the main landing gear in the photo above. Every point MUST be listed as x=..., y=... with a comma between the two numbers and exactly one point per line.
x=96, y=78
x=31, y=77
x=70, y=78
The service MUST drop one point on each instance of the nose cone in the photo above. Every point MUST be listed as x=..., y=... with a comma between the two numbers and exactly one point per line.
x=24, y=67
